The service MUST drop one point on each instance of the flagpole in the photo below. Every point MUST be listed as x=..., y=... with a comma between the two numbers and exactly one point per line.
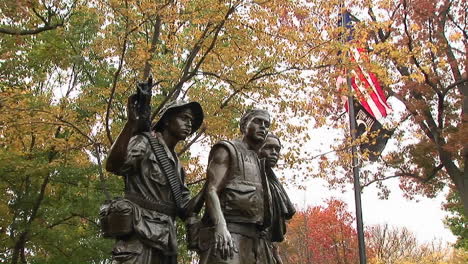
x=357, y=184
x=355, y=165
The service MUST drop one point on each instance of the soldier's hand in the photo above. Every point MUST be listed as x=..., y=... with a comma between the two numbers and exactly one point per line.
x=132, y=112
x=145, y=87
x=223, y=242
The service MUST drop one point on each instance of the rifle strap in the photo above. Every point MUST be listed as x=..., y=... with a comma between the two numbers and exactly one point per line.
x=168, y=168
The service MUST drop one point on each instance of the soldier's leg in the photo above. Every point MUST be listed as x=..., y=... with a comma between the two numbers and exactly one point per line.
x=133, y=251
x=244, y=254
x=246, y=247
x=264, y=252
x=129, y=251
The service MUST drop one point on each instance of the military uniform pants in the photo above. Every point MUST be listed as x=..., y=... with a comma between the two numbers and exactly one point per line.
x=133, y=251
x=250, y=251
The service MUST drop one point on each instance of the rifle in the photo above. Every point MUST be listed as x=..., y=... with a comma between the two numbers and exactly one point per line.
x=143, y=105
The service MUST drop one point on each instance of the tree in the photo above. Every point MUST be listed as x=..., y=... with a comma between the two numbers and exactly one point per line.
x=67, y=68
x=321, y=234
x=459, y=256
x=399, y=245
x=418, y=50
x=295, y=248
x=49, y=188
x=326, y=234
x=457, y=221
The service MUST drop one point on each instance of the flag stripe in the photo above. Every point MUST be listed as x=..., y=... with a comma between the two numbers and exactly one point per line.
x=372, y=81
x=371, y=94
x=361, y=93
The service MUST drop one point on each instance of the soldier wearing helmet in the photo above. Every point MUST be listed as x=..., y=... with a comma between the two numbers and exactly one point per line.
x=143, y=222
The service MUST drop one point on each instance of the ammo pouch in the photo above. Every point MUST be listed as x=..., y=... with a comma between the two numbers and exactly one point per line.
x=241, y=202
x=116, y=217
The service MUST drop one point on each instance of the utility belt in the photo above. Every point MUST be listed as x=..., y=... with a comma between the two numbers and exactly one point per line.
x=150, y=204
x=249, y=230
x=201, y=237
x=116, y=216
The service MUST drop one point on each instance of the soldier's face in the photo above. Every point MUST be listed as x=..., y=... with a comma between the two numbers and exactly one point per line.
x=270, y=151
x=180, y=124
x=257, y=128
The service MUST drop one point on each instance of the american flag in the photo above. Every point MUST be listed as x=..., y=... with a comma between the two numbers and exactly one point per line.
x=365, y=83
x=371, y=105
x=367, y=86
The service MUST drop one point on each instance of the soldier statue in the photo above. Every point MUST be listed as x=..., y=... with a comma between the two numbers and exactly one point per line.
x=282, y=208
x=142, y=222
x=237, y=196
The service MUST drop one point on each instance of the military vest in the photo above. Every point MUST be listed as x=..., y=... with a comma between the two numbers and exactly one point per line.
x=246, y=196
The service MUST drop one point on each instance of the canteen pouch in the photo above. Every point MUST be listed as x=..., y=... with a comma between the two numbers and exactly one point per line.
x=116, y=218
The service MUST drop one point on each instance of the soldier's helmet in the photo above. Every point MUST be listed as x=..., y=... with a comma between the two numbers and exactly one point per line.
x=176, y=106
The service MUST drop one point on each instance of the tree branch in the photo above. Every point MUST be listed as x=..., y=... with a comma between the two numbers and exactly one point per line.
x=114, y=86
x=410, y=45
x=46, y=20
x=16, y=32
x=104, y=187
x=196, y=182
x=154, y=41
x=410, y=175
x=455, y=84
x=426, y=179
x=187, y=74
x=84, y=68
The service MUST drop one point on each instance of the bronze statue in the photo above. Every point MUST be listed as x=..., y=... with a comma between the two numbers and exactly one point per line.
x=237, y=197
x=282, y=207
x=155, y=192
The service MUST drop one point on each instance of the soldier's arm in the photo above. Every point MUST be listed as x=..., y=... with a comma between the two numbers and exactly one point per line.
x=216, y=176
x=118, y=151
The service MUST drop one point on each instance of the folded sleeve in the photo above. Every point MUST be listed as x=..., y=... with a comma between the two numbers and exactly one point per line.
x=137, y=150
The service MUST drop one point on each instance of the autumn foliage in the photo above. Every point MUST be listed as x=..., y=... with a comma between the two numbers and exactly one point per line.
x=322, y=234
x=67, y=68
x=326, y=234
x=418, y=49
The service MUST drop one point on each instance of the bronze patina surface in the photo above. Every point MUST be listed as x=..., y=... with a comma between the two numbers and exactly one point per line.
x=238, y=200
x=282, y=208
x=152, y=198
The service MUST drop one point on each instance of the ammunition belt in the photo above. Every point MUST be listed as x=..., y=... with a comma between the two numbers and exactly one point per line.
x=150, y=204
x=168, y=168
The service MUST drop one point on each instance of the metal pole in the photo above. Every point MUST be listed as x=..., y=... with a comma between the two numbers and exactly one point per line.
x=357, y=185
x=355, y=164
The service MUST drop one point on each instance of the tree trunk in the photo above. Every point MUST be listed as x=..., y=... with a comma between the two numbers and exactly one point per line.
x=18, y=250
